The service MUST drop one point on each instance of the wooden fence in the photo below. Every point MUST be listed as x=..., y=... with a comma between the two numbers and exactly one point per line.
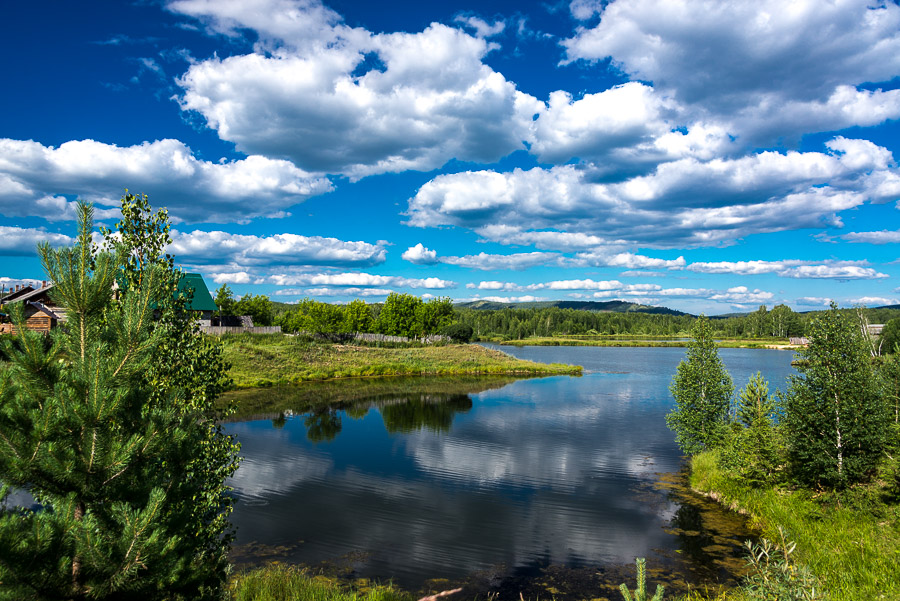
x=219, y=330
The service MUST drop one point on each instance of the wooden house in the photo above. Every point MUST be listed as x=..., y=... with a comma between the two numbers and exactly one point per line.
x=42, y=314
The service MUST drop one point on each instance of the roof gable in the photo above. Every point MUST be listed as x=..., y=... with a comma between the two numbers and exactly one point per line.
x=201, y=299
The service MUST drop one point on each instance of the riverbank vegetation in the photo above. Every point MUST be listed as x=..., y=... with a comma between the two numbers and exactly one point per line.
x=288, y=583
x=816, y=467
x=268, y=360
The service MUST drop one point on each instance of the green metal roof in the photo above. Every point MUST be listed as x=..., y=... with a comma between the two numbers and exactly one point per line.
x=202, y=300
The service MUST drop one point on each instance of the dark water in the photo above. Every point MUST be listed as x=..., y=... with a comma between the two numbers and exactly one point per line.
x=549, y=486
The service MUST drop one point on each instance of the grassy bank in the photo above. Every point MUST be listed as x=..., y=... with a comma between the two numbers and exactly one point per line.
x=268, y=360
x=850, y=542
x=283, y=583
x=637, y=341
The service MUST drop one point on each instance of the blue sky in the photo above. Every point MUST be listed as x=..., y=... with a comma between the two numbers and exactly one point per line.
x=708, y=156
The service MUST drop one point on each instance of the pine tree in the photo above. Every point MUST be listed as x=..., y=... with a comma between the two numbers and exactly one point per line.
x=702, y=389
x=117, y=447
x=755, y=437
x=835, y=413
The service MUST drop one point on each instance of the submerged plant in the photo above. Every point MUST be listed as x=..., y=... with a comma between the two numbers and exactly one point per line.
x=640, y=591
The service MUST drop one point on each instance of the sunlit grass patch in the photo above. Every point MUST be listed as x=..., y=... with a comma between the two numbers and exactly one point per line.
x=850, y=541
x=290, y=583
x=258, y=361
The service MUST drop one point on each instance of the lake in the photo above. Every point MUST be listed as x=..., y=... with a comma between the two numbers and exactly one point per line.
x=550, y=486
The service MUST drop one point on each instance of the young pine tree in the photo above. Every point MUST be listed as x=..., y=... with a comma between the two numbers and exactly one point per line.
x=702, y=389
x=125, y=466
x=753, y=444
x=835, y=418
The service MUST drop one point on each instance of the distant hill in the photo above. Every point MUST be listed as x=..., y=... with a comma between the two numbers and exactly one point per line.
x=615, y=306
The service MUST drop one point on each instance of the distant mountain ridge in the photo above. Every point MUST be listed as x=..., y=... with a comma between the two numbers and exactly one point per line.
x=614, y=306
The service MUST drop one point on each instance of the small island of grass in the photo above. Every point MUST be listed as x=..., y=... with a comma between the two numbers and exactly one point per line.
x=268, y=360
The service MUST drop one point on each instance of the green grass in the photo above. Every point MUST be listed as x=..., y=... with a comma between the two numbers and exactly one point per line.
x=268, y=360
x=851, y=542
x=287, y=583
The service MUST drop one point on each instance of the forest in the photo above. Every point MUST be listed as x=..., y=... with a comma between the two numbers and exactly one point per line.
x=410, y=316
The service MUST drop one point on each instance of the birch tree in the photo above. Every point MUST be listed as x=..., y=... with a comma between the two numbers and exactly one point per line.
x=835, y=413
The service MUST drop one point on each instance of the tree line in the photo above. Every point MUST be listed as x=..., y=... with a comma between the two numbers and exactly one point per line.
x=520, y=323
x=410, y=316
x=779, y=322
x=399, y=315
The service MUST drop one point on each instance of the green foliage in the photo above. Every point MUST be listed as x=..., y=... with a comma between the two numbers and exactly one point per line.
x=775, y=575
x=640, y=591
x=889, y=340
x=224, y=301
x=531, y=322
x=324, y=318
x=358, y=317
x=434, y=315
x=257, y=307
x=399, y=316
x=889, y=371
x=835, y=413
x=112, y=445
x=702, y=390
x=753, y=448
x=784, y=323
x=140, y=238
x=458, y=332
x=188, y=369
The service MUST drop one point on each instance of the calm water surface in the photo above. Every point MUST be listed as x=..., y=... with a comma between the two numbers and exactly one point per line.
x=536, y=483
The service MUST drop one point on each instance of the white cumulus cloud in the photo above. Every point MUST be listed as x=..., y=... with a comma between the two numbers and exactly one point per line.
x=34, y=178
x=732, y=53
x=830, y=269
x=358, y=279
x=23, y=241
x=420, y=255
x=278, y=249
x=352, y=102
x=683, y=202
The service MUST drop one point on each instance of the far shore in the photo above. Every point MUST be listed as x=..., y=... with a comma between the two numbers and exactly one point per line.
x=656, y=341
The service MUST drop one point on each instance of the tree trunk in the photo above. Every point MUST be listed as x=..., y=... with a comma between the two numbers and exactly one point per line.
x=77, y=591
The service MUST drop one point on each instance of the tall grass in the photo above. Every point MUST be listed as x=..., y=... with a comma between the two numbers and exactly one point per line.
x=850, y=542
x=288, y=583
